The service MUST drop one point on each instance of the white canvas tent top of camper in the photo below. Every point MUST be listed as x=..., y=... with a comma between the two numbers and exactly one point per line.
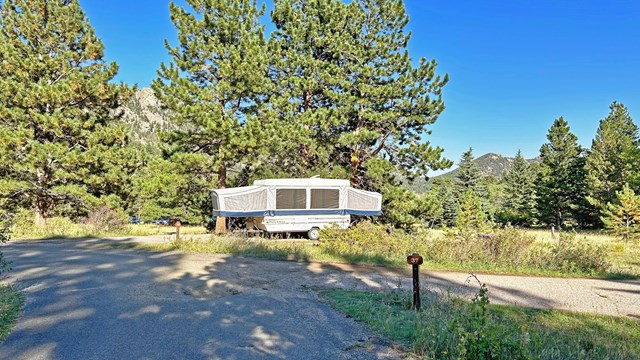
x=312, y=196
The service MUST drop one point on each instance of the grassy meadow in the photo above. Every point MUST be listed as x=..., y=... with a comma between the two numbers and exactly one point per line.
x=526, y=252
x=65, y=228
x=447, y=327
x=11, y=301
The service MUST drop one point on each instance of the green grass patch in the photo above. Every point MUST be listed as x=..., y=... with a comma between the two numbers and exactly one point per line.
x=65, y=228
x=450, y=328
x=11, y=301
x=508, y=251
x=507, y=255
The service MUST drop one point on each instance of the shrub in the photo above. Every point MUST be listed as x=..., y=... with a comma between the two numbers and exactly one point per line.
x=5, y=235
x=506, y=247
x=481, y=336
x=367, y=238
x=569, y=254
x=106, y=218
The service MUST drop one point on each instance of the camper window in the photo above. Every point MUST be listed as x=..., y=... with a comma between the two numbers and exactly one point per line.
x=291, y=199
x=325, y=198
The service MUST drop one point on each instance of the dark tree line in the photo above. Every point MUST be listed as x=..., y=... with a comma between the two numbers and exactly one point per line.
x=569, y=186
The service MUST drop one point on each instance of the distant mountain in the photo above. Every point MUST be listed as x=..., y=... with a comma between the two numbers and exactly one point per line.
x=145, y=117
x=490, y=164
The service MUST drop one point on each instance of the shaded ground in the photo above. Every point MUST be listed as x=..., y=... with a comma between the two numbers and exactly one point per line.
x=86, y=301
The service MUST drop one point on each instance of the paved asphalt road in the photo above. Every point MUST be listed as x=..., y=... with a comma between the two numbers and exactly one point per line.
x=85, y=301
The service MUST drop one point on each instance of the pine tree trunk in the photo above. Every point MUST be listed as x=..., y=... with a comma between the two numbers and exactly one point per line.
x=221, y=222
x=38, y=219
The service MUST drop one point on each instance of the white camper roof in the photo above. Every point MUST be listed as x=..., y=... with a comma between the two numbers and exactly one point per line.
x=313, y=196
x=315, y=182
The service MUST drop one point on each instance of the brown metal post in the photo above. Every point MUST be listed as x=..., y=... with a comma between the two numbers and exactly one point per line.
x=178, y=224
x=416, y=260
x=416, y=287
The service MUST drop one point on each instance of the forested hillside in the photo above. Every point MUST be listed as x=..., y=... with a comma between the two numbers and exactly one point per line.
x=489, y=165
x=331, y=91
x=146, y=118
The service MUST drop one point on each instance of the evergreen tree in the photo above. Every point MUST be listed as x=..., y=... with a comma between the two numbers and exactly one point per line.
x=349, y=102
x=560, y=184
x=62, y=144
x=613, y=158
x=445, y=190
x=307, y=50
x=519, y=189
x=388, y=103
x=622, y=217
x=176, y=187
x=216, y=82
x=470, y=214
x=468, y=176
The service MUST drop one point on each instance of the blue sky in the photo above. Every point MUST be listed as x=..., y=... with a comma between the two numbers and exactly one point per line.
x=514, y=66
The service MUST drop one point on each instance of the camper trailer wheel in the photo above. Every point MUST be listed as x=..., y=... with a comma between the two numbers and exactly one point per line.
x=314, y=234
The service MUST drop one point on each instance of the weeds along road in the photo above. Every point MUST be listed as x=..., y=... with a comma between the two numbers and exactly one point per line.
x=86, y=301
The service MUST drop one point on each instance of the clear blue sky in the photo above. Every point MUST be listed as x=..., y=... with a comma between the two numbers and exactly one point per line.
x=514, y=66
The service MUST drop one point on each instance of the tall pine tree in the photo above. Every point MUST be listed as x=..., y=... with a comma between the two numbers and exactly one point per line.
x=560, y=184
x=307, y=50
x=388, y=102
x=216, y=82
x=59, y=135
x=519, y=189
x=347, y=80
x=613, y=158
x=468, y=176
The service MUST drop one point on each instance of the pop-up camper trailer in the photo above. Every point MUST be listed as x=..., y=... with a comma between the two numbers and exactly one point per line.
x=296, y=205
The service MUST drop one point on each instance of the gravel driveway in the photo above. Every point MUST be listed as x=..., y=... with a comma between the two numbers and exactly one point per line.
x=84, y=301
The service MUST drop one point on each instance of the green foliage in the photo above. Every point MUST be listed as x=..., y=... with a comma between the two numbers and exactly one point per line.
x=560, y=183
x=215, y=82
x=519, y=187
x=445, y=191
x=448, y=327
x=470, y=215
x=5, y=235
x=176, y=187
x=406, y=210
x=60, y=138
x=571, y=255
x=11, y=302
x=364, y=238
x=468, y=176
x=622, y=217
x=614, y=156
x=481, y=337
x=340, y=103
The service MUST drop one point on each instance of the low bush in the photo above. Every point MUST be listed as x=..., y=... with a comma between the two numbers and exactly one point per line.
x=106, y=218
x=448, y=327
x=570, y=254
x=5, y=235
x=512, y=249
x=506, y=247
x=367, y=238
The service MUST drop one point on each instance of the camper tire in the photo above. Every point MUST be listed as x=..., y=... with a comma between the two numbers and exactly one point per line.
x=314, y=233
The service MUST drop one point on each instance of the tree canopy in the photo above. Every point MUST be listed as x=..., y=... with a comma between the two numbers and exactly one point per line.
x=59, y=135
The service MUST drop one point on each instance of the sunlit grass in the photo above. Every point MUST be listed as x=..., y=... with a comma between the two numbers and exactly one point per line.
x=10, y=304
x=624, y=257
x=64, y=228
x=433, y=333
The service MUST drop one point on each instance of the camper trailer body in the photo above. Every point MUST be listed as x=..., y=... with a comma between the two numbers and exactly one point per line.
x=296, y=205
